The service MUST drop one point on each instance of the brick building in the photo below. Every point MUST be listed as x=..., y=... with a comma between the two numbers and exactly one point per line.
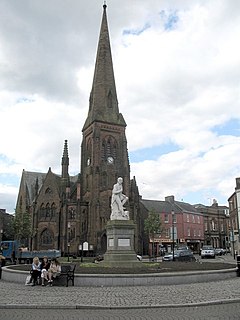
x=181, y=223
x=216, y=224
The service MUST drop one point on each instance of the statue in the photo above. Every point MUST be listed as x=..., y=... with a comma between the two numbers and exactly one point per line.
x=118, y=200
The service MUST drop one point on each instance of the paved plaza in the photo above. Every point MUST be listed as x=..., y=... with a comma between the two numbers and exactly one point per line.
x=185, y=301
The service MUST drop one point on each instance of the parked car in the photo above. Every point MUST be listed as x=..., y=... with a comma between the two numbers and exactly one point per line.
x=207, y=252
x=180, y=255
x=139, y=257
x=218, y=251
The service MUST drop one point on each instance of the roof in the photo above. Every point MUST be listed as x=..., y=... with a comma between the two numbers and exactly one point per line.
x=166, y=206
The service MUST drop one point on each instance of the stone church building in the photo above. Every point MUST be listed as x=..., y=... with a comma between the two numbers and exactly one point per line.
x=69, y=210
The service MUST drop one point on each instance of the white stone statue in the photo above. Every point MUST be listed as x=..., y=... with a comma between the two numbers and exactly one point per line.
x=118, y=200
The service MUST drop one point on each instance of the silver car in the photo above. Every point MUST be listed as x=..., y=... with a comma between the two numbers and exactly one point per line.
x=207, y=252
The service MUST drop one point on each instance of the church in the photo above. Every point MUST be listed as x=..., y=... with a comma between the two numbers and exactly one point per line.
x=67, y=211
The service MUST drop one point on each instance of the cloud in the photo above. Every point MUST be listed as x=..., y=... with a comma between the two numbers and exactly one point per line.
x=177, y=70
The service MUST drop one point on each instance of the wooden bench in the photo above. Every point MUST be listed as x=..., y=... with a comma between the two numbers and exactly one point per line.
x=66, y=275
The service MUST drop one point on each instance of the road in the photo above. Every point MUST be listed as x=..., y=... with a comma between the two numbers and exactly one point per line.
x=224, y=311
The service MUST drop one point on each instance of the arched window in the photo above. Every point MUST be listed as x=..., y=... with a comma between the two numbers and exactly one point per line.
x=42, y=211
x=46, y=237
x=71, y=213
x=109, y=148
x=53, y=210
x=48, y=210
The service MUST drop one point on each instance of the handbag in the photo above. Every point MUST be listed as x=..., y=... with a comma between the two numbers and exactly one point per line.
x=28, y=280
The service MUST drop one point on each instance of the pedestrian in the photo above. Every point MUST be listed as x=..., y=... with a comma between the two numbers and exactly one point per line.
x=54, y=270
x=45, y=265
x=2, y=264
x=36, y=271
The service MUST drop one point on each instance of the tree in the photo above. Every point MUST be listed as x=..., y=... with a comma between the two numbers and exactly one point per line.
x=152, y=226
x=22, y=226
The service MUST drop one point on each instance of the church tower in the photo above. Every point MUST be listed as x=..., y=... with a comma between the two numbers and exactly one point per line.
x=104, y=154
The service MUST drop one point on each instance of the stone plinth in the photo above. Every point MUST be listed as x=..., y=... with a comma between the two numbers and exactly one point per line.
x=120, y=244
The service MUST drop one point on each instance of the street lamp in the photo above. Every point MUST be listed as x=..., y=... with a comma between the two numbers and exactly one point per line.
x=68, y=250
x=173, y=233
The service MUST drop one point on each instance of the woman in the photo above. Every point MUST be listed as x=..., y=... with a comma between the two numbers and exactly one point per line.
x=54, y=270
x=36, y=270
x=44, y=269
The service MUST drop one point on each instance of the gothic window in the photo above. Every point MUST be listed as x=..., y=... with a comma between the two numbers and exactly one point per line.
x=53, y=210
x=109, y=148
x=87, y=182
x=48, y=191
x=109, y=100
x=48, y=210
x=71, y=213
x=71, y=234
x=42, y=211
x=46, y=237
x=89, y=152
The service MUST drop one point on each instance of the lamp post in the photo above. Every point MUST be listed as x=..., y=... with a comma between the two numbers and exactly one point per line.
x=68, y=250
x=173, y=234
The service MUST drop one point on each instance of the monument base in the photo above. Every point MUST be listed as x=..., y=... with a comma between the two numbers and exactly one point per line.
x=120, y=244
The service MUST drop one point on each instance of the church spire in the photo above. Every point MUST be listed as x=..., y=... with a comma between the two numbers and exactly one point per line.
x=65, y=163
x=103, y=103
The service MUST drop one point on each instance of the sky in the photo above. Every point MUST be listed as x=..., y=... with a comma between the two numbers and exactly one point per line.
x=177, y=73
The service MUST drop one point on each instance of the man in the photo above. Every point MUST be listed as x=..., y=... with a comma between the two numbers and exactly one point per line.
x=118, y=200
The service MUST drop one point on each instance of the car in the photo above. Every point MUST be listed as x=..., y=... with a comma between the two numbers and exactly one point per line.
x=139, y=257
x=207, y=252
x=218, y=251
x=180, y=255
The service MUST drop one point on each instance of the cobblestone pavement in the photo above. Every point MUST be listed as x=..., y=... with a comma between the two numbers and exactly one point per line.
x=213, y=300
x=13, y=294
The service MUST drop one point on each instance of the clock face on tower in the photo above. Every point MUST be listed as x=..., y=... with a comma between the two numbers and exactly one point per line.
x=110, y=160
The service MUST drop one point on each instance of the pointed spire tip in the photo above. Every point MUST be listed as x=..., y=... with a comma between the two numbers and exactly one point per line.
x=104, y=5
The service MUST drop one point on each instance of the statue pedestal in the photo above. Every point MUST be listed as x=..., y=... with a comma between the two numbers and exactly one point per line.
x=120, y=244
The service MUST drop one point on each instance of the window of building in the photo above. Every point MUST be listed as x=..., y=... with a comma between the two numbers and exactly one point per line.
x=187, y=217
x=167, y=232
x=46, y=237
x=166, y=218
x=188, y=232
x=53, y=210
x=174, y=218
x=71, y=213
x=206, y=226
x=193, y=218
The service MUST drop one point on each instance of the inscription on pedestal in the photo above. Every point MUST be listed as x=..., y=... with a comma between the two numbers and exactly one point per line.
x=110, y=242
x=123, y=242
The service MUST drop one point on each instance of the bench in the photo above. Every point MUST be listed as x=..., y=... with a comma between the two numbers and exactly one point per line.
x=66, y=275
x=238, y=265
